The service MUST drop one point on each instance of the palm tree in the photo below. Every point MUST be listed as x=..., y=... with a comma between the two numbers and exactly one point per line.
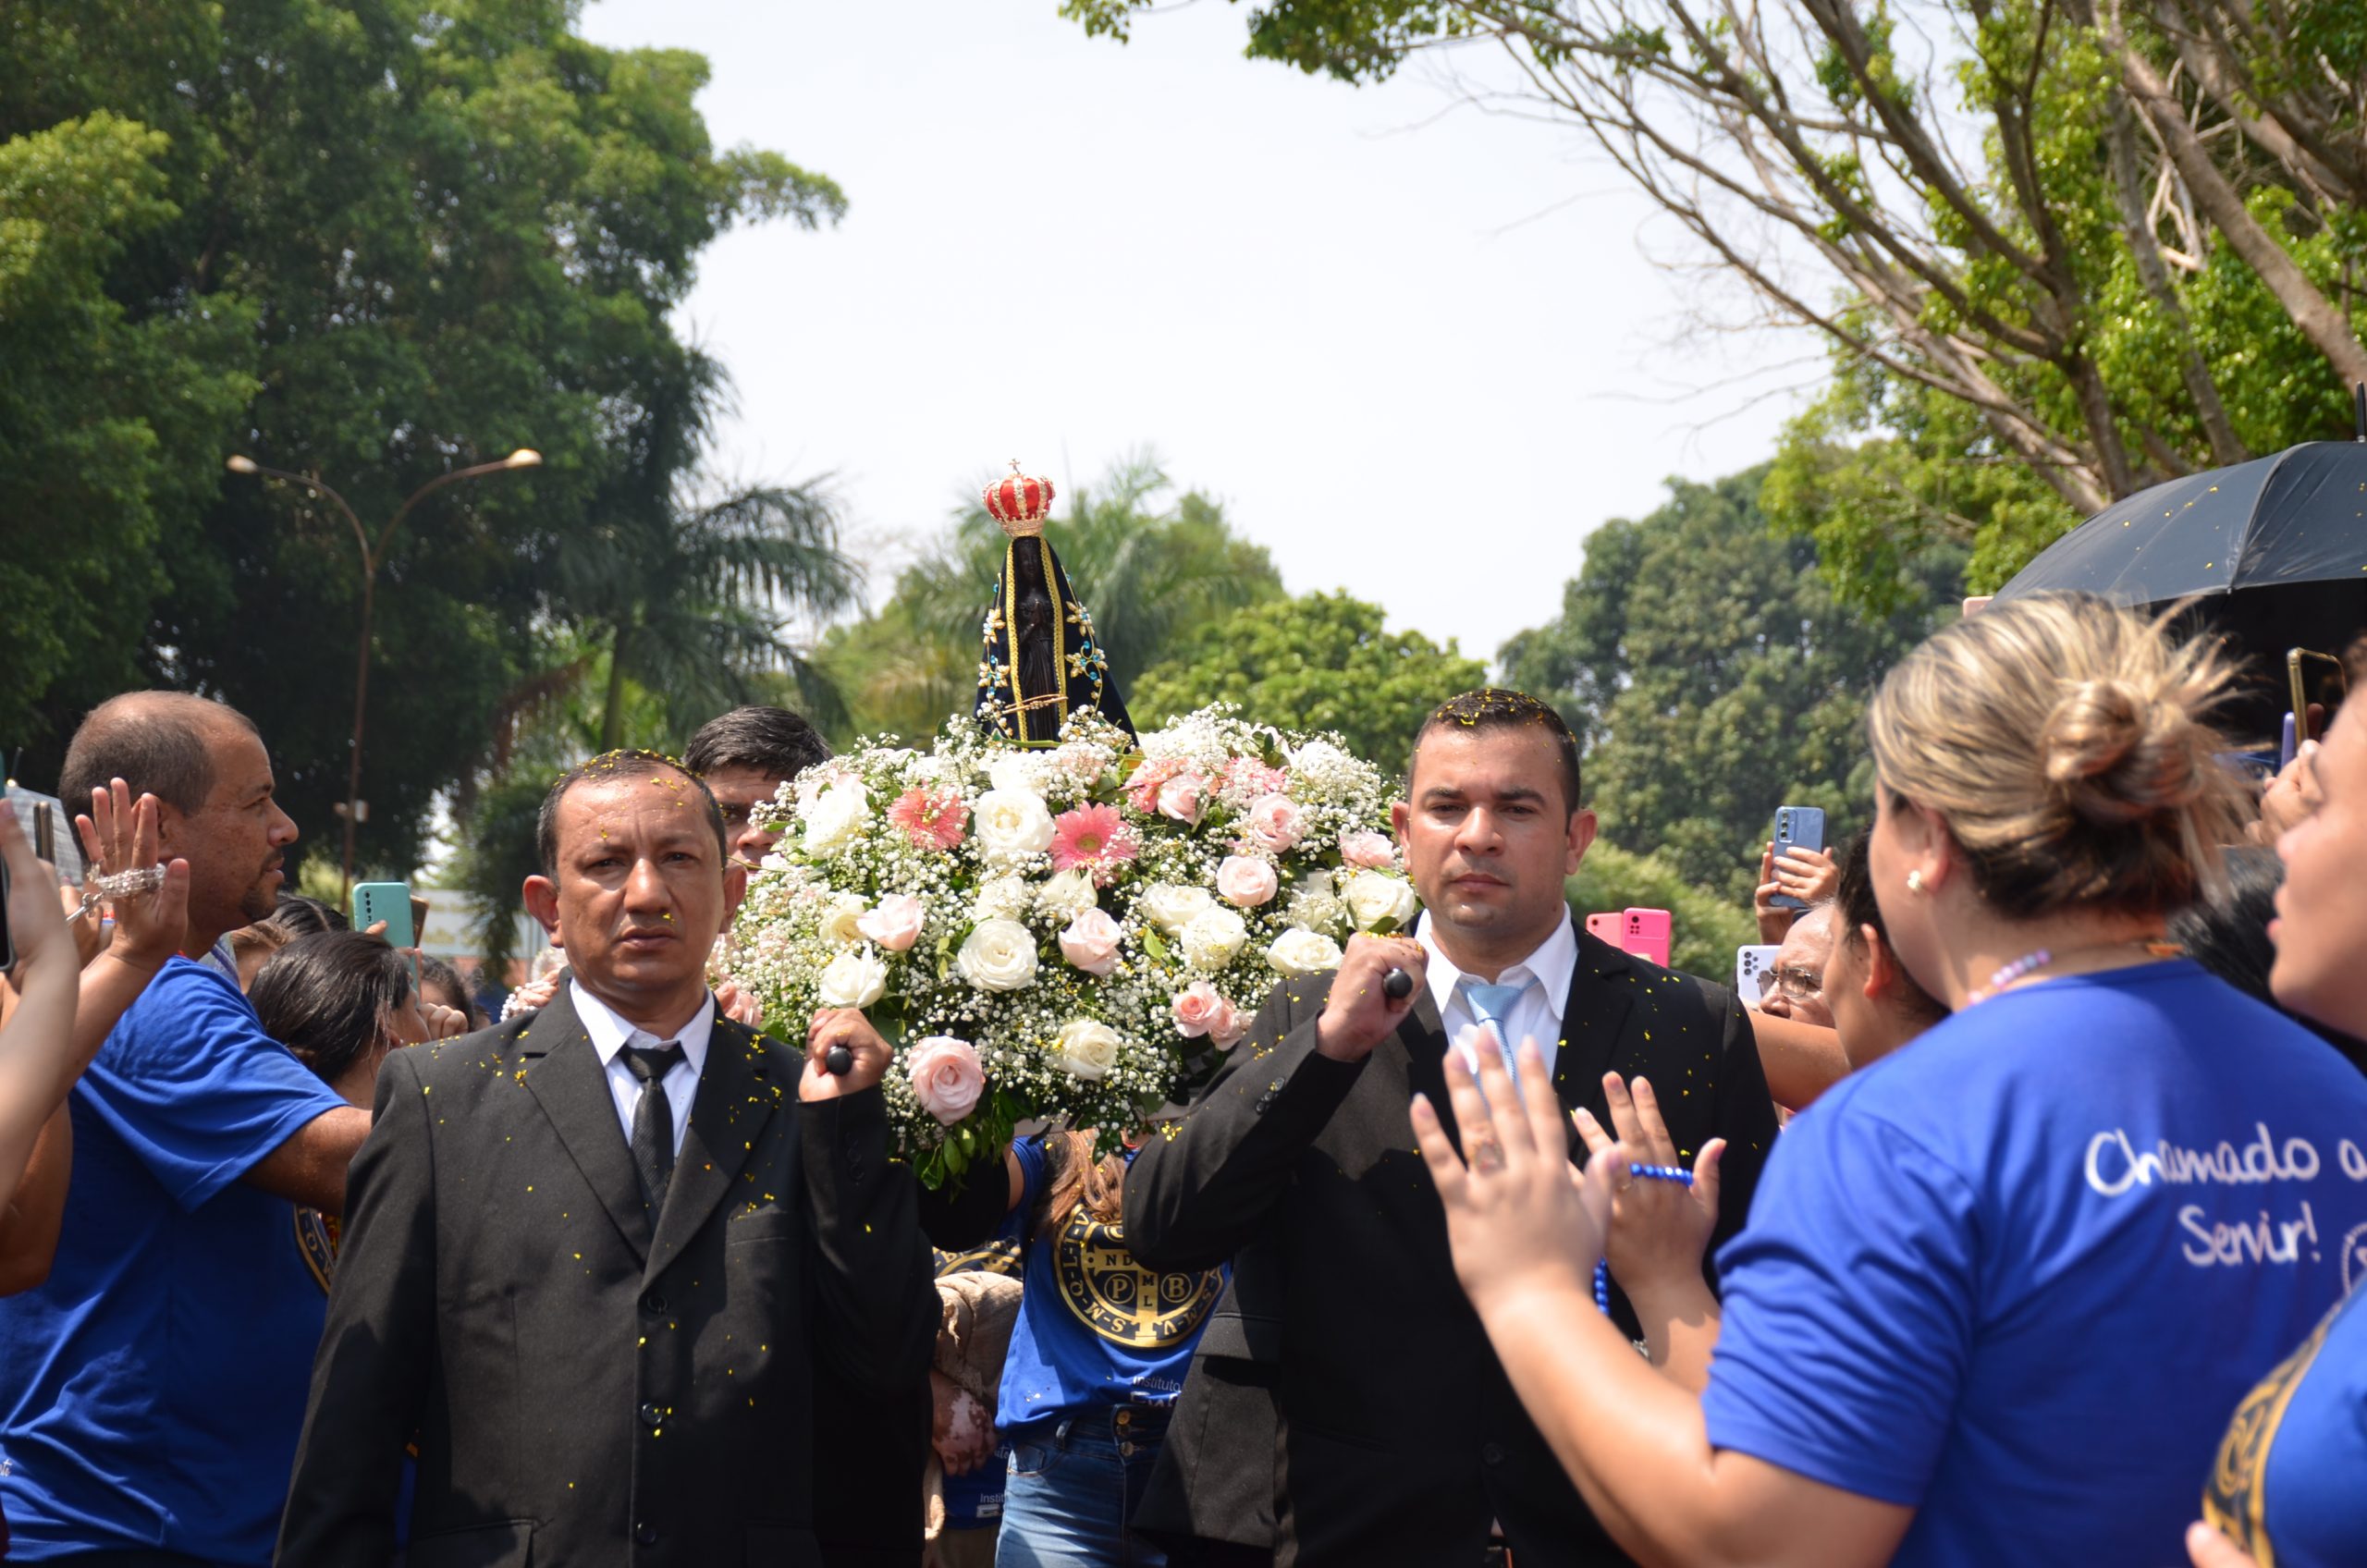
x=690, y=600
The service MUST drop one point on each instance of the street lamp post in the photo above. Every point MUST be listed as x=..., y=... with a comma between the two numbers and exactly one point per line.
x=372, y=557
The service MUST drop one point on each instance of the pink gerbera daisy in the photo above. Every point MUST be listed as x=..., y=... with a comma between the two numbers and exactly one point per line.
x=1096, y=838
x=932, y=821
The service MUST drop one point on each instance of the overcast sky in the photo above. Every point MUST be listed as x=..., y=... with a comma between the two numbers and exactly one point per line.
x=1416, y=350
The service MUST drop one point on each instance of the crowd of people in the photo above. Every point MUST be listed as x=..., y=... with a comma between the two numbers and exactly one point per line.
x=2014, y=1223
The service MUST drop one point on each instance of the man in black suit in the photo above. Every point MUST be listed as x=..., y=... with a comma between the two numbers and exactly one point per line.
x=595, y=1255
x=1344, y=1406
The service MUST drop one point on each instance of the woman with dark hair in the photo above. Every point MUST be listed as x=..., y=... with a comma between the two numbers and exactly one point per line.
x=442, y=984
x=340, y=1001
x=300, y=917
x=1097, y=1358
x=1876, y=1004
x=2228, y=935
x=2285, y=1488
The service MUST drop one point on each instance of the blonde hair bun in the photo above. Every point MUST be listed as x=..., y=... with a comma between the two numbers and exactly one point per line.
x=2117, y=752
x=2068, y=743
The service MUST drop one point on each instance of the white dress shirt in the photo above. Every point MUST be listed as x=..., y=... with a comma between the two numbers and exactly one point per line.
x=1537, y=1016
x=611, y=1036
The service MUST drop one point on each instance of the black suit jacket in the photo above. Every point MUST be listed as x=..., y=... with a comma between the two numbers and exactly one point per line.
x=1343, y=1404
x=589, y=1383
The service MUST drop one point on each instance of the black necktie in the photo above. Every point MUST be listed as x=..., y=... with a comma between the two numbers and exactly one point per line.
x=653, y=1119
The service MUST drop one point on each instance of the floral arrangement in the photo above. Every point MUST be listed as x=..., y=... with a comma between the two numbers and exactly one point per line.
x=1071, y=931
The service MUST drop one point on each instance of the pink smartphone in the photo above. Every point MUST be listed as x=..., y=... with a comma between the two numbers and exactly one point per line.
x=1645, y=933
x=1607, y=927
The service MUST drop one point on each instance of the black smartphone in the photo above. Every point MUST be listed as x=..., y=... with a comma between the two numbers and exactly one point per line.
x=44, y=832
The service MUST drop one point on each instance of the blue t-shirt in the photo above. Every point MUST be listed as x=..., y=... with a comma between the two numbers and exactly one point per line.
x=2016, y=1275
x=2290, y=1486
x=151, y=1388
x=1096, y=1328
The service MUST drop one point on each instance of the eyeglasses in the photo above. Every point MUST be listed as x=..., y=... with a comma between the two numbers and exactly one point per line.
x=1798, y=983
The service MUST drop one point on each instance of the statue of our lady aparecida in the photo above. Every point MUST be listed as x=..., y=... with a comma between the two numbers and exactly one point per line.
x=1041, y=661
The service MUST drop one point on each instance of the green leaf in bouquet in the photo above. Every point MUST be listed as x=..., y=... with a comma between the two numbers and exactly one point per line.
x=1154, y=944
x=1385, y=926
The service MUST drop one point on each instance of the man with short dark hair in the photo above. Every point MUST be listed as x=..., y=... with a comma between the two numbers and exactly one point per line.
x=151, y=1388
x=745, y=756
x=597, y=1253
x=867, y=1483
x=1343, y=1397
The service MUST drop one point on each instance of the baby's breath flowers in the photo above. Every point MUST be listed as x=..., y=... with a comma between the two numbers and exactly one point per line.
x=1085, y=926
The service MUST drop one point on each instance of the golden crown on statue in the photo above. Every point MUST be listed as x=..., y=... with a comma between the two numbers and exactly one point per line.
x=1020, y=504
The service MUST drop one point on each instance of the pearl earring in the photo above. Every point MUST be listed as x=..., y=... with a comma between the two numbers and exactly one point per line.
x=1915, y=881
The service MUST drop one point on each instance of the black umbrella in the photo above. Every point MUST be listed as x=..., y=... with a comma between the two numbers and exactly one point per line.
x=2274, y=552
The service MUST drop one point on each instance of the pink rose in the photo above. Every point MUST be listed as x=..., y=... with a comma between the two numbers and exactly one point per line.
x=1198, y=1009
x=1181, y=798
x=1367, y=849
x=946, y=1079
x=1228, y=1029
x=1244, y=882
x=1276, y=822
x=895, y=925
x=1142, y=789
x=738, y=1005
x=1090, y=942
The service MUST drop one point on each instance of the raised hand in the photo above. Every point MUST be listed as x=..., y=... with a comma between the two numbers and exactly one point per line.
x=1518, y=1224
x=1360, y=1012
x=1773, y=919
x=1658, y=1230
x=871, y=1055
x=1809, y=876
x=119, y=835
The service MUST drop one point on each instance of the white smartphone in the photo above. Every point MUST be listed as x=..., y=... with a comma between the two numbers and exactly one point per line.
x=1751, y=964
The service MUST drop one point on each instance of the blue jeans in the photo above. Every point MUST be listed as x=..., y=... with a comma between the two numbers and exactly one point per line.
x=1074, y=1484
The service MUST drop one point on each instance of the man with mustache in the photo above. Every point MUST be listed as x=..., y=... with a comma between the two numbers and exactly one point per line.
x=152, y=1387
x=1344, y=1406
x=597, y=1254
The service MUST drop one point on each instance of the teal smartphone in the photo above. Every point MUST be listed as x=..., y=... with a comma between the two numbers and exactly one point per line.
x=389, y=901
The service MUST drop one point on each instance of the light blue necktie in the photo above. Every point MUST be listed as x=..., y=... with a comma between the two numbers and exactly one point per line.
x=1492, y=1005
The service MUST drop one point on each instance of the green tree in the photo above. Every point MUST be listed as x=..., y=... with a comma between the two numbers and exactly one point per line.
x=1705, y=926
x=107, y=420
x=1319, y=661
x=2099, y=246
x=1148, y=573
x=1715, y=676
x=397, y=238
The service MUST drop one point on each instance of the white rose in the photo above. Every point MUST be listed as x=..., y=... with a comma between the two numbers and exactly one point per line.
x=1089, y=1047
x=838, y=815
x=1374, y=896
x=1214, y=938
x=853, y=979
x=998, y=955
x=1068, y=895
x=999, y=897
x=1316, y=906
x=1011, y=823
x=1017, y=773
x=1171, y=907
x=1299, y=953
x=841, y=922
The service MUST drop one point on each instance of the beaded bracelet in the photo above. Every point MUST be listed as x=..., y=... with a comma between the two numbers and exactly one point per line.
x=1676, y=1174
